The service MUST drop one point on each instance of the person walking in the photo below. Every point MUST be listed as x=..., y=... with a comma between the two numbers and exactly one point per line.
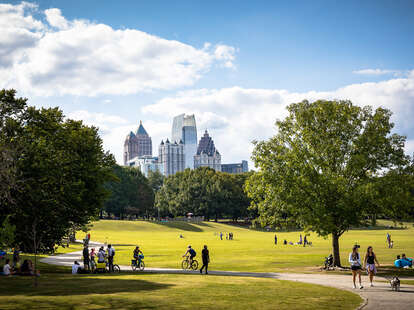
x=275, y=240
x=355, y=261
x=206, y=259
x=111, y=254
x=221, y=236
x=305, y=241
x=300, y=239
x=85, y=257
x=369, y=263
x=389, y=240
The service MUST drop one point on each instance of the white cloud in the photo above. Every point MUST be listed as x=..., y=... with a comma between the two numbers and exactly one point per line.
x=78, y=57
x=55, y=19
x=101, y=120
x=375, y=72
x=226, y=54
x=236, y=116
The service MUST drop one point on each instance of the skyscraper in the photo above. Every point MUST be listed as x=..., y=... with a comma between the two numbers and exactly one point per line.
x=137, y=144
x=235, y=168
x=207, y=154
x=184, y=129
x=171, y=157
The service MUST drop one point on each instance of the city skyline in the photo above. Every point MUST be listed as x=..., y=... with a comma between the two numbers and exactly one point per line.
x=237, y=71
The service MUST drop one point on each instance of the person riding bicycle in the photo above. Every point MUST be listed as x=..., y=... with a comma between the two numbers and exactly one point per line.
x=190, y=251
x=137, y=255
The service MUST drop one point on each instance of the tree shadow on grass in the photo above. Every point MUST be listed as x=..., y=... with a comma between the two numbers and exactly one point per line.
x=181, y=226
x=69, y=285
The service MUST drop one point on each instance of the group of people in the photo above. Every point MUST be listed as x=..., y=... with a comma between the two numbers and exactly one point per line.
x=205, y=256
x=229, y=236
x=301, y=241
x=371, y=263
x=25, y=269
x=403, y=261
x=90, y=259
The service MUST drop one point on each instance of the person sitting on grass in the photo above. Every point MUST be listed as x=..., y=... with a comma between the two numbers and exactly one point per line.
x=27, y=269
x=6, y=269
x=76, y=268
x=407, y=260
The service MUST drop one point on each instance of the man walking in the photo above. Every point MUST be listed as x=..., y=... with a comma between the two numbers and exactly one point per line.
x=206, y=259
x=111, y=254
x=275, y=240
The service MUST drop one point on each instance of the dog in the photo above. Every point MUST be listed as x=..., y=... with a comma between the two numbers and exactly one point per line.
x=395, y=284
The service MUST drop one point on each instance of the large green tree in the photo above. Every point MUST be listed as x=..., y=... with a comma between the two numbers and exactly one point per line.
x=60, y=171
x=203, y=192
x=317, y=167
x=131, y=194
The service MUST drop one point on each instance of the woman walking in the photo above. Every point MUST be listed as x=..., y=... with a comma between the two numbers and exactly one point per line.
x=369, y=263
x=355, y=261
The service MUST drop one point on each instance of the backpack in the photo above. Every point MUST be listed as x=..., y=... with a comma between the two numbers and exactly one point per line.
x=192, y=252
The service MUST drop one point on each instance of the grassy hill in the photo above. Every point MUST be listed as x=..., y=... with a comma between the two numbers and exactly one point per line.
x=250, y=250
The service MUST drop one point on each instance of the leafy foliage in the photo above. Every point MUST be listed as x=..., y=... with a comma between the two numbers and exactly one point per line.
x=131, y=194
x=316, y=170
x=203, y=192
x=60, y=172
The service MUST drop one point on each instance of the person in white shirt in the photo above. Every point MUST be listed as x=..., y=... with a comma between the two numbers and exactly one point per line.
x=355, y=261
x=6, y=268
x=76, y=268
x=101, y=255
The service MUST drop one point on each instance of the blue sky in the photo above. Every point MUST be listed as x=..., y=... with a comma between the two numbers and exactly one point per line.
x=261, y=56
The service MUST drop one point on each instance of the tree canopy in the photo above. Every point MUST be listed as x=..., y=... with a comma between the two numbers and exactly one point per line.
x=203, y=192
x=317, y=169
x=60, y=172
x=131, y=194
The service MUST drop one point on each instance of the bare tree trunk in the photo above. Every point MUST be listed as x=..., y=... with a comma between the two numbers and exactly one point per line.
x=34, y=231
x=335, y=248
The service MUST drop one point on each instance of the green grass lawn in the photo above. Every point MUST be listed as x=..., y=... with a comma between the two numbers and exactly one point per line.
x=250, y=250
x=154, y=291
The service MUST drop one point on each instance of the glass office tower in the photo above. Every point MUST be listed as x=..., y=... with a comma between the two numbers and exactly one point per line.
x=184, y=129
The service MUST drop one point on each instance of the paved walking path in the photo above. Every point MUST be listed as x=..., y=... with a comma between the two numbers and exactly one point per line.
x=376, y=298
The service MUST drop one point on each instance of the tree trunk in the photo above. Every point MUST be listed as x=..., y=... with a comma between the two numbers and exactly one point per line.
x=335, y=248
x=374, y=220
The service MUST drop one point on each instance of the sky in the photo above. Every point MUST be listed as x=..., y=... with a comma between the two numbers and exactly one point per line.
x=236, y=65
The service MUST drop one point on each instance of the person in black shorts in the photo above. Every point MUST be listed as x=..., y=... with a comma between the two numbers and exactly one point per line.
x=355, y=261
x=190, y=251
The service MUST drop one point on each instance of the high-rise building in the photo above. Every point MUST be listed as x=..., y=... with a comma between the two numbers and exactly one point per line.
x=207, y=154
x=137, y=144
x=184, y=129
x=235, y=168
x=146, y=164
x=171, y=157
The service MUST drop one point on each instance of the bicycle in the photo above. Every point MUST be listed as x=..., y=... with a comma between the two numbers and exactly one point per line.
x=138, y=263
x=186, y=264
x=104, y=267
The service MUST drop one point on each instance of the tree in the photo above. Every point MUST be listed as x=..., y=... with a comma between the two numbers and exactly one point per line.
x=204, y=192
x=61, y=170
x=131, y=194
x=319, y=164
x=155, y=180
x=7, y=233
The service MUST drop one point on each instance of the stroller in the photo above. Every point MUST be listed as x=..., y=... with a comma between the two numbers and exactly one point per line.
x=329, y=262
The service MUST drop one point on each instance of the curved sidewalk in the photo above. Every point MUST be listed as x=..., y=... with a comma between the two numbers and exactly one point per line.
x=378, y=297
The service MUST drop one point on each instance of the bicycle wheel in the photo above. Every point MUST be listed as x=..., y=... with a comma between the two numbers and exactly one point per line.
x=141, y=266
x=134, y=267
x=116, y=268
x=185, y=264
x=194, y=265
